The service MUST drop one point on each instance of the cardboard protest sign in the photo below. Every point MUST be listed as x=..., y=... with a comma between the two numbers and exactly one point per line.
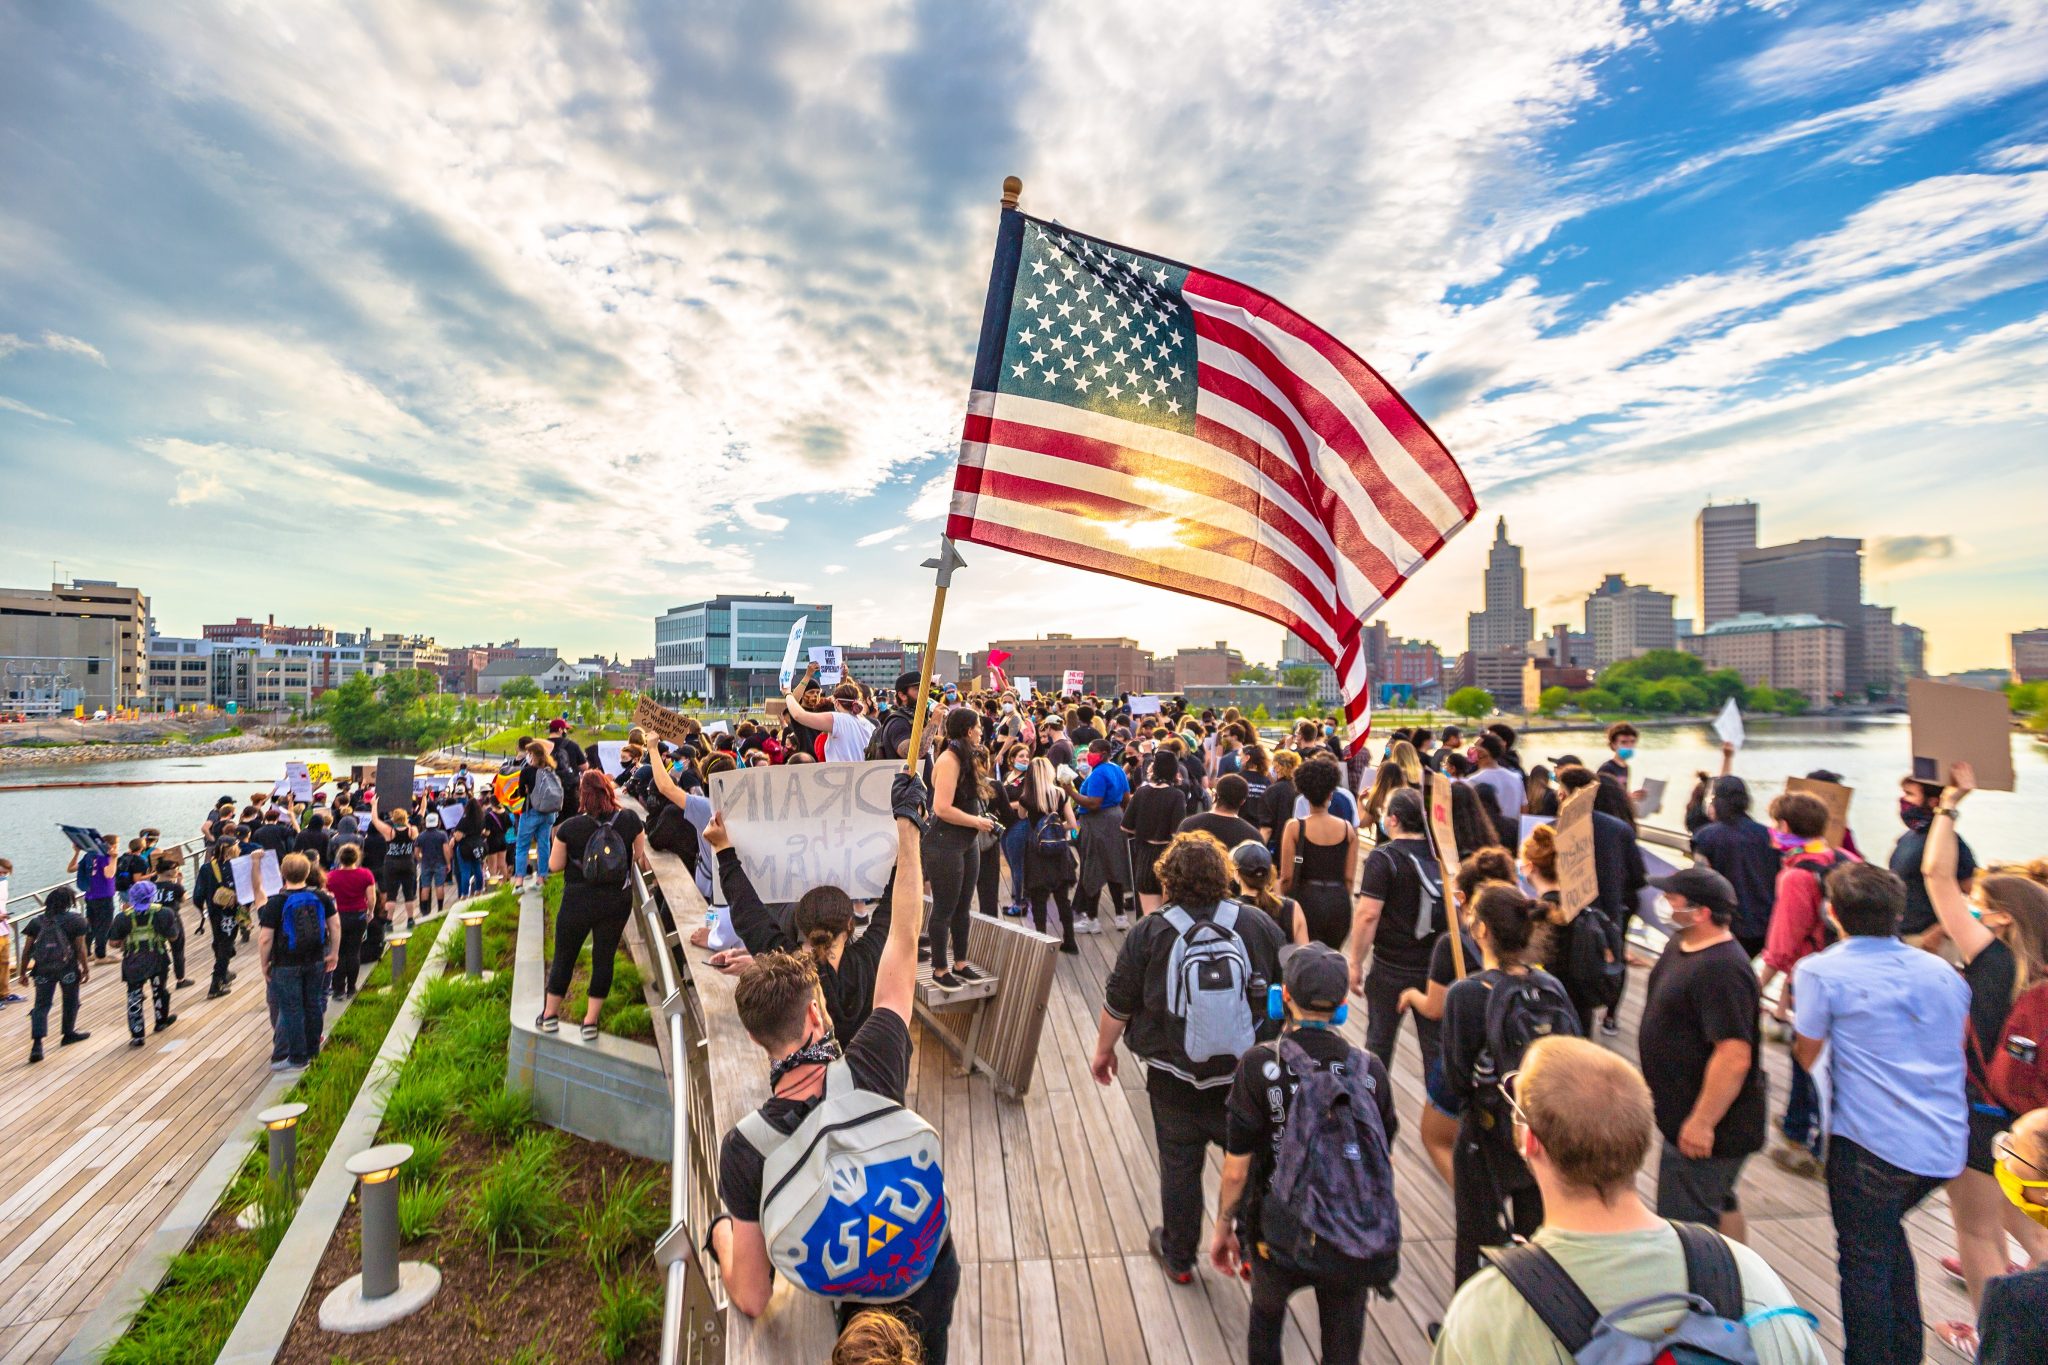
x=84, y=838
x=394, y=785
x=796, y=642
x=831, y=664
x=1578, y=884
x=1955, y=724
x=776, y=707
x=806, y=825
x=1074, y=682
x=1834, y=796
x=298, y=781
x=1443, y=841
x=1653, y=798
x=1728, y=725
x=1144, y=706
x=660, y=722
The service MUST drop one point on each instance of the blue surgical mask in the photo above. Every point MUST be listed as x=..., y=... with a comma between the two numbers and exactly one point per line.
x=1625, y=752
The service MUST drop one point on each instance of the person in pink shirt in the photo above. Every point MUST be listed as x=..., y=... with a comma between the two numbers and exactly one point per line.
x=353, y=887
x=1799, y=928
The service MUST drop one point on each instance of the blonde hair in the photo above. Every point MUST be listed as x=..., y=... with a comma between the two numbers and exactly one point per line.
x=877, y=1338
x=1590, y=1109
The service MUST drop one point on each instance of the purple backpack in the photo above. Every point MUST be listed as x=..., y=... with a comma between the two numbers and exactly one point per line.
x=1331, y=1206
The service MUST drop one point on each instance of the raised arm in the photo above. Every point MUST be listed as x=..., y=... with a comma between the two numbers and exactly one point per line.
x=1938, y=868
x=896, y=976
x=798, y=712
x=751, y=920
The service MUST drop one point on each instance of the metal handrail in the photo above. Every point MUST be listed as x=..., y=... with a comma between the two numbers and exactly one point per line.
x=694, y=1301
x=31, y=903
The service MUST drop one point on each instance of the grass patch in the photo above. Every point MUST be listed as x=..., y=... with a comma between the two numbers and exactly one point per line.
x=627, y=1211
x=501, y=1115
x=518, y=1204
x=627, y=1306
x=188, y=1316
x=420, y=1206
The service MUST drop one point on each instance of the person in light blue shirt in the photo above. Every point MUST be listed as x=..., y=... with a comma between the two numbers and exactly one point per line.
x=1891, y=1019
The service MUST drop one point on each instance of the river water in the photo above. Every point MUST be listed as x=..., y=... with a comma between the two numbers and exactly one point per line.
x=1870, y=754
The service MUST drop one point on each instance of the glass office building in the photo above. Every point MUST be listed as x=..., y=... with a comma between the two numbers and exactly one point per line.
x=729, y=649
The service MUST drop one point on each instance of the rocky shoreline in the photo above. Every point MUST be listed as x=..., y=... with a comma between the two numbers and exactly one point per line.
x=60, y=755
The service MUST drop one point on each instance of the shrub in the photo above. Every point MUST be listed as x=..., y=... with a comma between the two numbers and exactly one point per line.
x=518, y=1204
x=626, y=1308
x=500, y=1114
x=420, y=1206
x=625, y=1213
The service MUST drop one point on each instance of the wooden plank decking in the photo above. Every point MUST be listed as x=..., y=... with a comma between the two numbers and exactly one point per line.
x=103, y=1138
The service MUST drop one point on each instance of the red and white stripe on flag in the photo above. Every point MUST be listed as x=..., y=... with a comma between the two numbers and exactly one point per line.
x=1304, y=489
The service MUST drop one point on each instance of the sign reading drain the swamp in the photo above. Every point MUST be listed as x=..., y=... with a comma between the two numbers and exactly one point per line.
x=811, y=824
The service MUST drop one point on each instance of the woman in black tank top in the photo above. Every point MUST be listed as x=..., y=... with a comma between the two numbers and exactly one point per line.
x=1320, y=876
x=952, y=853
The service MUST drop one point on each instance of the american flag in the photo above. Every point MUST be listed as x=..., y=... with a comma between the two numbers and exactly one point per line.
x=1138, y=417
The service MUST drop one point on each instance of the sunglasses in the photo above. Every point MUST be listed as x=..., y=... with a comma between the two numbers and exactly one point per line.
x=2002, y=1150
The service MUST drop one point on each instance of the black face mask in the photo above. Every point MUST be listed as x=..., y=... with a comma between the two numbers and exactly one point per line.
x=1913, y=815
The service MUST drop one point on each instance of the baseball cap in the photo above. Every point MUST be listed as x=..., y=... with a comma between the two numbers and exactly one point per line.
x=1252, y=856
x=1566, y=761
x=1316, y=975
x=1701, y=886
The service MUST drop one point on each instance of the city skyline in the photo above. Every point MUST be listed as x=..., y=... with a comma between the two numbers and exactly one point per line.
x=254, y=328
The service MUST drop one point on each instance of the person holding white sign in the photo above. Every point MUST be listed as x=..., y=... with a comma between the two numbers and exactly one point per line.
x=846, y=730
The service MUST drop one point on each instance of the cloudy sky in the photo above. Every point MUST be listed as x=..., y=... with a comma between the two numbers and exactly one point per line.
x=498, y=320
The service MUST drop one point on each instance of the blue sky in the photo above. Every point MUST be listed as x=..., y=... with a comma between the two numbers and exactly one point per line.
x=493, y=320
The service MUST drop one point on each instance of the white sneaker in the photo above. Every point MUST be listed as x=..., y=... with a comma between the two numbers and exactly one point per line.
x=1123, y=921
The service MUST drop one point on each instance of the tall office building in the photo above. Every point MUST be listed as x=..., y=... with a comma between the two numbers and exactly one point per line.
x=729, y=649
x=1627, y=619
x=1721, y=533
x=1506, y=623
x=82, y=643
x=1821, y=577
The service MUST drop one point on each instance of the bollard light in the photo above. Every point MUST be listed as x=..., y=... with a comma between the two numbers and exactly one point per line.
x=398, y=942
x=282, y=1123
x=473, y=944
x=387, y=1289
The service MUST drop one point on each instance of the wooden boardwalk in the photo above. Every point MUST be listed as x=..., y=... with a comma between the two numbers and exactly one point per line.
x=1053, y=1198
x=102, y=1139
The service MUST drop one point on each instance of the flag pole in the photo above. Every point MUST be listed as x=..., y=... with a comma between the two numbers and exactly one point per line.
x=948, y=560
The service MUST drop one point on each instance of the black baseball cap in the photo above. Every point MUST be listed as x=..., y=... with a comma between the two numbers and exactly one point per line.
x=1701, y=886
x=1566, y=761
x=1317, y=976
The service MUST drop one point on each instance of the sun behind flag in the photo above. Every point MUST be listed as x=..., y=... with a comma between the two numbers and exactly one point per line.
x=1138, y=417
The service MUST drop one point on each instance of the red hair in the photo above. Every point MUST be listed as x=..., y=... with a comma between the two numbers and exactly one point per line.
x=595, y=794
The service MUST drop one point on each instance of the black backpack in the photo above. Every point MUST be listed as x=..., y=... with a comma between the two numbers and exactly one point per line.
x=51, y=955
x=1594, y=957
x=607, y=861
x=1519, y=1010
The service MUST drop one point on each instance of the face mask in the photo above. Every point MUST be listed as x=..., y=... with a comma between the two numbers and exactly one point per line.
x=1625, y=752
x=1786, y=842
x=2016, y=1190
x=1913, y=815
x=1022, y=767
x=1094, y=760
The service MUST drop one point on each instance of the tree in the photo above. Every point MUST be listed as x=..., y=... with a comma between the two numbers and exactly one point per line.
x=1256, y=674
x=519, y=689
x=1553, y=700
x=1599, y=701
x=1473, y=703
x=1307, y=677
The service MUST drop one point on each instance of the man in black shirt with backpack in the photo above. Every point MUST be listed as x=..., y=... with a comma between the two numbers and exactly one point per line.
x=1308, y=1181
x=53, y=950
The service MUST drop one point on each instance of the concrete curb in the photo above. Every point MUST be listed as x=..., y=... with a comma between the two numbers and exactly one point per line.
x=267, y=1319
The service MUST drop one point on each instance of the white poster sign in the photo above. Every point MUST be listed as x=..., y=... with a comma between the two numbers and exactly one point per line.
x=452, y=813
x=298, y=781
x=1653, y=798
x=1728, y=725
x=1026, y=689
x=608, y=756
x=245, y=878
x=789, y=651
x=1075, y=682
x=269, y=874
x=806, y=825
x=1144, y=706
x=831, y=664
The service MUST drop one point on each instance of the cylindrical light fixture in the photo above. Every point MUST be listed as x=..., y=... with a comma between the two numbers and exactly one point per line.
x=281, y=1123
x=473, y=945
x=398, y=942
x=387, y=1289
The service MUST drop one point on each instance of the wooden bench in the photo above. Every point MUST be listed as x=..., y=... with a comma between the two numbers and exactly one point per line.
x=1005, y=1012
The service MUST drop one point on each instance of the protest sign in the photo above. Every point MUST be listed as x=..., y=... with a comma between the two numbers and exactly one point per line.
x=831, y=664
x=1026, y=689
x=1955, y=724
x=1578, y=884
x=1144, y=706
x=776, y=708
x=431, y=784
x=281, y=787
x=1074, y=682
x=84, y=838
x=607, y=751
x=452, y=813
x=298, y=781
x=269, y=874
x=660, y=722
x=1834, y=796
x=1653, y=798
x=796, y=642
x=806, y=825
x=1650, y=905
x=1728, y=725
x=1529, y=822
x=245, y=877
x=394, y=785
x=717, y=727
x=320, y=774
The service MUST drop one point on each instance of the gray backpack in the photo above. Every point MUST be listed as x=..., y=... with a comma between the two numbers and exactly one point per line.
x=547, y=791
x=1209, y=984
x=1330, y=1209
x=853, y=1203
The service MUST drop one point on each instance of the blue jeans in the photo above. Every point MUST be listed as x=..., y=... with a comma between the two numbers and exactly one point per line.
x=536, y=831
x=1869, y=1199
x=301, y=993
x=1802, y=1111
x=469, y=874
x=1013, y=854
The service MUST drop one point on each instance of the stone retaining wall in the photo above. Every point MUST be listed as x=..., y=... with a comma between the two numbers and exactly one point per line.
x=121, y=753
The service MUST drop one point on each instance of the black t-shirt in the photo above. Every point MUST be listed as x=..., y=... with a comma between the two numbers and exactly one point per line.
x=573, y=833
x=398, y=847
x=1278, y=807
x=2013, y=1326
x=313, y=843
x=1136, y=991
x=1905, y=861
x=1154, y=813
x=895, y=732
x=1229, y=830
x=879, y=1058
x=270, y=915
x=1694, y=1002
x=1263, y=1088
x=1991, y=974
x=1084, y=735
x=1443, y=968
x=1393, y=875
x=69, y=923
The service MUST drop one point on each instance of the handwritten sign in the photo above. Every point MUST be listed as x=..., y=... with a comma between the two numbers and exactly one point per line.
x=1074, y=681
x=320, y=773
x=1653, y=798
x=831, y=664
x=608, y=751
x=1144, y=706
x=1728, y=725
x=298, y=780
x=452, y=813
x=659, y=721
x=244, y=869
x=1578, y=883
x=806, y=825
x=1955, y=724
x=1834, y=796
x=796, y=642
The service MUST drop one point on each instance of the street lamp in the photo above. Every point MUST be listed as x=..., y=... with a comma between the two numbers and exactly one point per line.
x=387, y=1289
x=281, y=1126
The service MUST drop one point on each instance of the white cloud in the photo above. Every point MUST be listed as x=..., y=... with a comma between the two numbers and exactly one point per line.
x=2019, y=155
x=16, y=405
x=57, y=341
x=878, y=537
x=834, y=568
x=752, y=515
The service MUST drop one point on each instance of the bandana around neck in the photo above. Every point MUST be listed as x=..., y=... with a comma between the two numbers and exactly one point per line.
x=822, y=1052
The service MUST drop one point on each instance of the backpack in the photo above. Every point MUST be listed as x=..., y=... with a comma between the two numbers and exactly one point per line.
x=1330, y=1209
x=50, y=956
x=1712, y=1329
x=303, y=920
x=547, y=791
x=853, y=1203
x=142, y=952
x=1050, y=859
x=1209, y=984
x=1592, y=957
x=1519, y=1010
x=671, y=832
x=2015, y=1075
x=1825, y=933
x=607, y=861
